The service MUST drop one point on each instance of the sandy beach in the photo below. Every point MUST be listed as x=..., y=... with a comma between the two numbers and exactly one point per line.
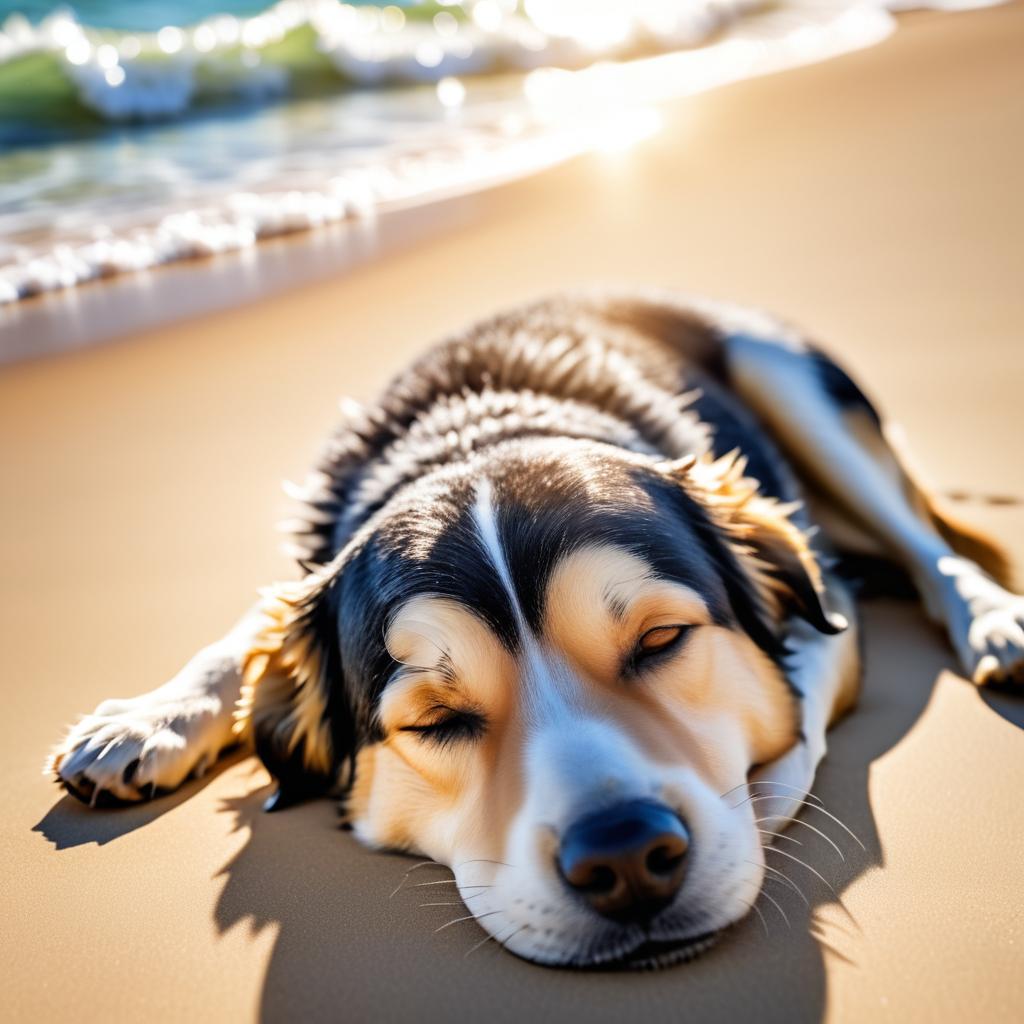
x=876, y=200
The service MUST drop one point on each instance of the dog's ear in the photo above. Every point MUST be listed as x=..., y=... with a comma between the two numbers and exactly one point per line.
x=293, y=703
x=759, y=530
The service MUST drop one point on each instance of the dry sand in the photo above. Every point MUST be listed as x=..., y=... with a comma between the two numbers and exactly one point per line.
x=877, y=200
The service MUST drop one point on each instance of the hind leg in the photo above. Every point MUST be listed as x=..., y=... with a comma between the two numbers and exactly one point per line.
x=833, y=435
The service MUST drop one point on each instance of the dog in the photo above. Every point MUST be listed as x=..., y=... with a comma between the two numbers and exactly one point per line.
x=574, y=620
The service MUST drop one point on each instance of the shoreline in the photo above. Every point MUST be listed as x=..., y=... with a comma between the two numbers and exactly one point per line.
x=102, y=312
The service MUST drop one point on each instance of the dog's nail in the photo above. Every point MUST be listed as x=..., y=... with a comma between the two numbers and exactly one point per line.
x=78, y=787
x=987, y=668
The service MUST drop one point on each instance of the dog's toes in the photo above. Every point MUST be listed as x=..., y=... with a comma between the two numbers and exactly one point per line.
x=994, y=671
x=126, y=757
x=996, y=641
x=79, y=787
x=986, y=669
x=91, y=778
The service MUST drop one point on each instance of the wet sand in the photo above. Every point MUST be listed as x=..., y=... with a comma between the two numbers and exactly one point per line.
x=875, y=199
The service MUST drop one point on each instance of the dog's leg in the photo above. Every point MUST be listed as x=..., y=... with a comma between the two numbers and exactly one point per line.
x=132, y=749
x=825, y=671
x=835, y=438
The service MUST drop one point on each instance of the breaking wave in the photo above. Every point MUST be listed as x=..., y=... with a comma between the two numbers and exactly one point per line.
x=59, y=71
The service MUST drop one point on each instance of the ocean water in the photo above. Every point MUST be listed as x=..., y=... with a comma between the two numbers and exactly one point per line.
x=137, y=134
x=134, y=16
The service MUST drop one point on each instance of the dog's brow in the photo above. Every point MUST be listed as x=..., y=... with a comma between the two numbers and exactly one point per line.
x=617, y=605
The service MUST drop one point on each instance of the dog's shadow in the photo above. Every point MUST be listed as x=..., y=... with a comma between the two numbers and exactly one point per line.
x=347, y=949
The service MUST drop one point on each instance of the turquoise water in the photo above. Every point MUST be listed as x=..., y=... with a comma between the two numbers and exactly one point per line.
x=136, y=16
x=67, y=71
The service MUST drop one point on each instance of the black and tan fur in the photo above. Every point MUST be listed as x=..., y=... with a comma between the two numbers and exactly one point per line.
x=479, y=549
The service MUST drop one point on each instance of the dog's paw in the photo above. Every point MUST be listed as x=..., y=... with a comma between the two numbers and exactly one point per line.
x=985, y=622
x=996, y=643
x=132, y=750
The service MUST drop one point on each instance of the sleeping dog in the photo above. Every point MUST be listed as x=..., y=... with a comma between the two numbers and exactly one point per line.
x=571, y=608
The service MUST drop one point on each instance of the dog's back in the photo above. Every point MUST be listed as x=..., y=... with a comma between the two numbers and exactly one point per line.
x=646, y=375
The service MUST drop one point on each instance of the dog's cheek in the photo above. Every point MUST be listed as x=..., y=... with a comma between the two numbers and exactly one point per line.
x=390, y=804
x=369, y=806
x=731, y=677
x=772, y=720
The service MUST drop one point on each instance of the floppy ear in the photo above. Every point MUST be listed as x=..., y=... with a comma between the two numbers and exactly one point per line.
x=774, y=550
x=293, y=703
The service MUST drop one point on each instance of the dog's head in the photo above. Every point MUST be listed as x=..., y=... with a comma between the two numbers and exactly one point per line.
x=544, y=668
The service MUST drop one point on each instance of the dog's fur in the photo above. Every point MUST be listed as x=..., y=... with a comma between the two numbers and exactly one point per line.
x=488, y=552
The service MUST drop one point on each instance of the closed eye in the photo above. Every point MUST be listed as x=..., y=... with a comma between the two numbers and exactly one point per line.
x=449, y=727
x=656, y=645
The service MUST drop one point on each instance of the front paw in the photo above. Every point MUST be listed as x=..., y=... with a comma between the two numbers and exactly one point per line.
x=132, y=750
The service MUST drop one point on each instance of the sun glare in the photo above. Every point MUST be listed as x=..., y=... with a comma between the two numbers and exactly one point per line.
x=624, y=129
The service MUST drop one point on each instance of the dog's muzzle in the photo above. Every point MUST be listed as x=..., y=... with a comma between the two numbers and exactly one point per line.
x=627, y=861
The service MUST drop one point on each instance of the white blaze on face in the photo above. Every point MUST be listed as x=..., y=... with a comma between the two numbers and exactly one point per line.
x=575, y=759
x=548, y=692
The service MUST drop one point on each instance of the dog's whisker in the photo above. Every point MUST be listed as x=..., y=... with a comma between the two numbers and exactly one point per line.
x=775, y=875
x=777, y=835
x=771, y=878
x=452, y=903
x=451, y=881
x=508, y=938
x=751, y=797
x=483, y=942
x=806, y=803
x=415, y=867
x=756, y=910
x=823, y=879
x=817, y=831
x=849, y=831
x=778, y=907
x=769, y=782
x=423, y=864
x=814, y=800
x=482, y=860
x=468, y=917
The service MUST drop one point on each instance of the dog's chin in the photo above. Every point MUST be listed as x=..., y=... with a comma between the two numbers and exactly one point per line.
x=653, y=954
x=650, y=955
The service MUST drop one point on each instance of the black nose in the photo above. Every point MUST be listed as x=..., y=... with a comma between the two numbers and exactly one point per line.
x=627, y=861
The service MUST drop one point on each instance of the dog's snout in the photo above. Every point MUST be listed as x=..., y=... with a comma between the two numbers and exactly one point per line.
x=627, y=861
